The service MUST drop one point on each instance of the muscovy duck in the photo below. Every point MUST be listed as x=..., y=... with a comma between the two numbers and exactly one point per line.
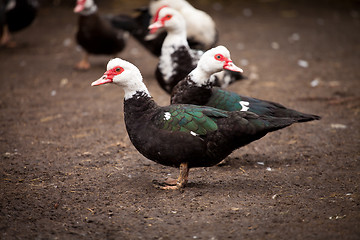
x=96, y=34
x=183, y=135
x=197, y=89
x=15, y=15
x=200, y=27
x=177, y=59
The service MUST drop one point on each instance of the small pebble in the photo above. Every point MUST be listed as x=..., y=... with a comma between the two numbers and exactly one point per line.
x=63, y=82
x=275, y=196
x=338, y=126
x=334, y=83
x=275, y=45
x=67, y=42
x=247, y=12
x=240, y=46
x=294, y=37
x=315, y=82
x=244, y=62
x=303, y=63
x=254, y=76
x=134, y=51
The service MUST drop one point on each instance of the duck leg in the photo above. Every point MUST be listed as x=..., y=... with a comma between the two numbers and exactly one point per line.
x=180, y=182
x=84, y=64
x=6, y=38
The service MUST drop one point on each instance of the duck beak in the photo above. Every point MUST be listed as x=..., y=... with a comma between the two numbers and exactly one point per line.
x=229, y=65
x=103, y=80
x=79, y=6
x=157, y=23
x=155, y=26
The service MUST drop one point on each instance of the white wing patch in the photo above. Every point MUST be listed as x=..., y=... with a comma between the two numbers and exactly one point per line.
x=167, y=116
x=193, y=133
x=244, y=106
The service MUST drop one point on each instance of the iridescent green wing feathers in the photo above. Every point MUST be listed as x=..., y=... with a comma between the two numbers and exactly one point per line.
x=225, y=100
x=231, y=101
x=197, y=120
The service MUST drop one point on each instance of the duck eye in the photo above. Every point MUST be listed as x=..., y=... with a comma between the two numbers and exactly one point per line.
x=167, y=17
x=118, y=69
x=218, y=57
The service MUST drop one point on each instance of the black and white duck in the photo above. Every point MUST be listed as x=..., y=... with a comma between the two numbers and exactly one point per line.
x=177, y=59
x=197, y=88
x=183, y=135
x=15, y=15
x=96, y=34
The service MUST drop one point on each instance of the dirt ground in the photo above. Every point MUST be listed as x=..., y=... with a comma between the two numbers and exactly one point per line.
x=69, y=171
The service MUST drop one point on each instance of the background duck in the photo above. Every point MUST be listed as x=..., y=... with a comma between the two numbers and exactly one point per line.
x=96, y=34
x=15, y=15
x=177, y=59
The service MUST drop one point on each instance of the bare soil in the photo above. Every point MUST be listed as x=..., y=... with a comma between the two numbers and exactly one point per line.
x=69, y=171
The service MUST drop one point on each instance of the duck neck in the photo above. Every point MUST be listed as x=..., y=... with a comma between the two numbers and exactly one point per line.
x=200, y=78
x=175, y=38
x=137, y=107
x=136, y=90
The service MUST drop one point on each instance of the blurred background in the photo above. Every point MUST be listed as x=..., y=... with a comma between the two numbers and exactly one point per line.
x=69, y=171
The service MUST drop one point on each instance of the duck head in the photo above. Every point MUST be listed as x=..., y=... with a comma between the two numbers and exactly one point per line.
x=125, y=75
x=84, y=6
x=167, y=18
x=217, y=59
x=212, y=61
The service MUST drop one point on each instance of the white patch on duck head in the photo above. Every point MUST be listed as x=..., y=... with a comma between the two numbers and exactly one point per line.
x=126, y=75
